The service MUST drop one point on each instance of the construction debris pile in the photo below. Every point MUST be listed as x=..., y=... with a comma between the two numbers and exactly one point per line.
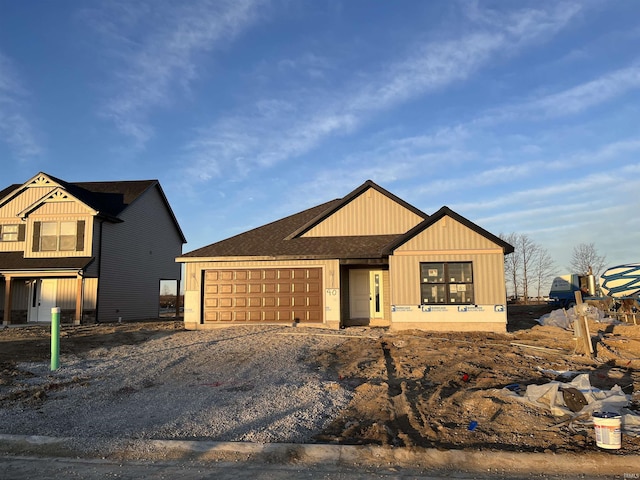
x=478, y=390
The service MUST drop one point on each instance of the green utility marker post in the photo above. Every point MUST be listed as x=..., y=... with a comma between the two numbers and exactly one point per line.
x=55, y=338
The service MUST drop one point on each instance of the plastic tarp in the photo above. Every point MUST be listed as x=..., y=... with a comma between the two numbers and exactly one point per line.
x=565, y=318
x=549, y=396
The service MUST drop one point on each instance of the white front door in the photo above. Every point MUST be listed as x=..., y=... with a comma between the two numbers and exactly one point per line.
x=46, y=298
x=365, y=294
x=359, y=296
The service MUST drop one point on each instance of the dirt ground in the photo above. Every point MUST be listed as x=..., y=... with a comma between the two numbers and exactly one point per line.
x=415, y=388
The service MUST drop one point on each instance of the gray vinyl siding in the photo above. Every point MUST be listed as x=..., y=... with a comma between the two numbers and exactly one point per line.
x=136, y=254
x=92, y=270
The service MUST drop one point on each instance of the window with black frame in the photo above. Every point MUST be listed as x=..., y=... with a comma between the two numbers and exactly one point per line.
x=446, y=283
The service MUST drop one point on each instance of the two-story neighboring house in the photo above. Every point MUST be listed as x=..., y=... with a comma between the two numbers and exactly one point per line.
x=97, y=250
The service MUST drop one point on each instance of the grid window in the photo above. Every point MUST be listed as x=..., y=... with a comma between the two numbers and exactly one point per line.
x=9, y=233
x=67, y=236
x=49, y=236
x=447, y=283
x=56, y=236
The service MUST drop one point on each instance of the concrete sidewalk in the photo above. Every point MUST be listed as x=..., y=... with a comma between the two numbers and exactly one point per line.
x=605, y=463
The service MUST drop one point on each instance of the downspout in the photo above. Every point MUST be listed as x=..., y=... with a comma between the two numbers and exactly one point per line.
x=99, y=272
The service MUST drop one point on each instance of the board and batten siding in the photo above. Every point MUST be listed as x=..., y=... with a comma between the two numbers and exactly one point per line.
x=54, y=209
x=194, y=274
x=9, y=215
x=448, y=240
x=90, y=294
x=371, y=213
x=136, y=254
x=447, y=234
x=488, y=276
x=21, y=201
x=20, y=294
x=84, y=222
x=66, y=290
x=14, y=246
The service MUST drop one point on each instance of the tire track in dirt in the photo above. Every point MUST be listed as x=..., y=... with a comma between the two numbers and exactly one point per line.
x=406, y=428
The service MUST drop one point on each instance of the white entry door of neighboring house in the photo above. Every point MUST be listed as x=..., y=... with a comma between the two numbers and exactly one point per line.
x=365, y=294
x=46, y=298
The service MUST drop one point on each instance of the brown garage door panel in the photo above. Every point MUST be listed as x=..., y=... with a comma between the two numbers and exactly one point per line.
x=277, y=316
x=266, y=295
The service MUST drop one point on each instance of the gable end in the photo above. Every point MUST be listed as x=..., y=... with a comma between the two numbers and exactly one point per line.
x=438, y=216
x=348, y=199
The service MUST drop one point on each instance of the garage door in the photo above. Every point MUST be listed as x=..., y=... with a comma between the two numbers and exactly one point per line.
x=263, y=295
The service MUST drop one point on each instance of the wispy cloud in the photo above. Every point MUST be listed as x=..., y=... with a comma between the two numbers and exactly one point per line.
x=309, y=64
x=588, y=207
x=527, y=24
x=16, y=129
x=448, y=147
x=585, y=186
x=165, y=60
x=249, y=140
x=507, y=174
x=571, y=101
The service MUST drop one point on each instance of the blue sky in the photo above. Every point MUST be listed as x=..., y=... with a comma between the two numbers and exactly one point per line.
x=521, y=116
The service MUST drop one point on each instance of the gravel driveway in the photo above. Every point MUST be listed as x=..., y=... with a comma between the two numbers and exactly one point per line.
x=257, y=384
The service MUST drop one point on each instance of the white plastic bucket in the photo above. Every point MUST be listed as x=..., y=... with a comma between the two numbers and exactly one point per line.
x=608, y=432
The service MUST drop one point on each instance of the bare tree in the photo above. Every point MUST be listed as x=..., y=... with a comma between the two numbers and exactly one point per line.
x=528, y=252
x=512, y=266
x=544, y=270
x=529, y=268
x=586, y=256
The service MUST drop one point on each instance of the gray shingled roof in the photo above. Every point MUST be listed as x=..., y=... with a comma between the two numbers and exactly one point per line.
x=108, y=198
x=14, y=261
x=282, y=237
x=271, y=241
x=6, y=191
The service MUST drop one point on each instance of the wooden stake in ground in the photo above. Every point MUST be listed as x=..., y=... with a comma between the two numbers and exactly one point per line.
x=582, y=326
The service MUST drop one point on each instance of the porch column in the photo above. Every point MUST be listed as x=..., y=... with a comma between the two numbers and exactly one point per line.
x=177, y=298
x=79, y=294
x=7, y=300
